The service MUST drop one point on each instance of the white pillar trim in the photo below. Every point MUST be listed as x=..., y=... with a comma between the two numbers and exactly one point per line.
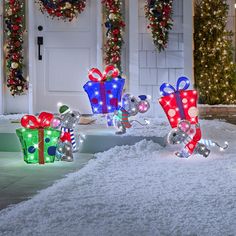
x=1, y=61
x=99, y=35
x=188, y=25
x=133, y=47
x=31, y=51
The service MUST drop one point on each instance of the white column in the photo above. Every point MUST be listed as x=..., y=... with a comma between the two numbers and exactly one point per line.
x=99, y=35
x=1, y=59
x=133, y=47
x=188, y=38
x=31, y=51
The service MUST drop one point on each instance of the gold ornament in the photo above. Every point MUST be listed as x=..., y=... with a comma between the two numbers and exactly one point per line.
x=9, y=12
x=112, y=16
x=68, y=5
x=14, y=65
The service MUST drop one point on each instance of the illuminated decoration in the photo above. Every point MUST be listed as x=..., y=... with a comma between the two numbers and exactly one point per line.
x=131, y=106
x=181, y=104
x=214, y=69
x=104, y=89
x=210, y=143
x=62, y=9
x=14, y=30
x=159, y=13
x=38, y=139
x=67, y=121
x=115, y=26
x=189, y=135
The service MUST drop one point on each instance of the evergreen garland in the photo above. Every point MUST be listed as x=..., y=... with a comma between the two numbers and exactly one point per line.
x=159, y=14
x=14, y=30
x=114, y=38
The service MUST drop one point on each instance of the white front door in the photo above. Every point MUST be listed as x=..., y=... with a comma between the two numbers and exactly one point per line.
x=69, y=50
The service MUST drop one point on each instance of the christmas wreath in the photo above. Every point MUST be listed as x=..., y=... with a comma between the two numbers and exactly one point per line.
x=159, y=14
x=115, y=26
x=14, y=29
x=62, y=9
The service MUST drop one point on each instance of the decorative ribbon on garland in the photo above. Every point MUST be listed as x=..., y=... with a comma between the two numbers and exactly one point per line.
x=62, y=9
x=159, y=13
x=115, y=26
x=14, y=29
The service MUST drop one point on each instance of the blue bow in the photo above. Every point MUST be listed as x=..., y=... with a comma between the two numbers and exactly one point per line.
x=143, y=97
x=171, y=89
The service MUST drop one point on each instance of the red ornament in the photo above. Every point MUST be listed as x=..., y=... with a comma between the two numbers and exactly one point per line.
x=163, y=23
x=17, y=43
x=15, y=27
x=15, y=56
x=167, y=9
x=116, y=31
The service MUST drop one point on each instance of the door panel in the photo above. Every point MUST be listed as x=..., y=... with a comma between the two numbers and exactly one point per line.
x=68, y=52
x=68, y=79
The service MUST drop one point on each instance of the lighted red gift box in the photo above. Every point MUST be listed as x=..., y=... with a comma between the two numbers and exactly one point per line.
x=179, y=103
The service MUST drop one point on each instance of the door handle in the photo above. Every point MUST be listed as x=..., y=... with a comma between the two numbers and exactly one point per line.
x=40, y=42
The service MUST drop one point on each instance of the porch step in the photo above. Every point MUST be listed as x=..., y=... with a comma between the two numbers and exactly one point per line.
x=98, y=138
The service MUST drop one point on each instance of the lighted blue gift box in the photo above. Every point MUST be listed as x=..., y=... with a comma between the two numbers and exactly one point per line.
x=104, y=91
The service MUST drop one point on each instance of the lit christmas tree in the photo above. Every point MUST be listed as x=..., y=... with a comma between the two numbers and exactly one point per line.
x=215, y=71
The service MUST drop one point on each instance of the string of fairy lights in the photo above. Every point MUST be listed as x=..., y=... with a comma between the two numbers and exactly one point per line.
x=215, y=71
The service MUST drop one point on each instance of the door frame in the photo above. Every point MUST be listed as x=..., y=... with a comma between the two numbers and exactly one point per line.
x=32, y=44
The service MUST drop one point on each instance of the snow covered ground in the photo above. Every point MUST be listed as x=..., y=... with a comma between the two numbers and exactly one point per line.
x=140, y=190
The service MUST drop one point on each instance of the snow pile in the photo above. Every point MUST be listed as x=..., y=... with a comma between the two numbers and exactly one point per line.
x=154, y=127
x=140, y=190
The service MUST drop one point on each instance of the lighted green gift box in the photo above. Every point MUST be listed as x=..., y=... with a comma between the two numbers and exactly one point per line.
x=38, y=140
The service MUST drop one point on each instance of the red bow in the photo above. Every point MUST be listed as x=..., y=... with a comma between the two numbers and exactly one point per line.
x=96, y=75
x=32, y=122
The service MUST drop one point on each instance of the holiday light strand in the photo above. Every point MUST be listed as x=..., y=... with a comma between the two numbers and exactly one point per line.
x=63, y=9
x=14, y=30
x=159, y=14
x=114, y=38
x=215, y=71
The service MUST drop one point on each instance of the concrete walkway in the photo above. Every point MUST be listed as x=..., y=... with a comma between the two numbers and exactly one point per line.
x=19, y=181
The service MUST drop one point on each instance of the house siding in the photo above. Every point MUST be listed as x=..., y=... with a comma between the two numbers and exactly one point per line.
x=156, y=68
